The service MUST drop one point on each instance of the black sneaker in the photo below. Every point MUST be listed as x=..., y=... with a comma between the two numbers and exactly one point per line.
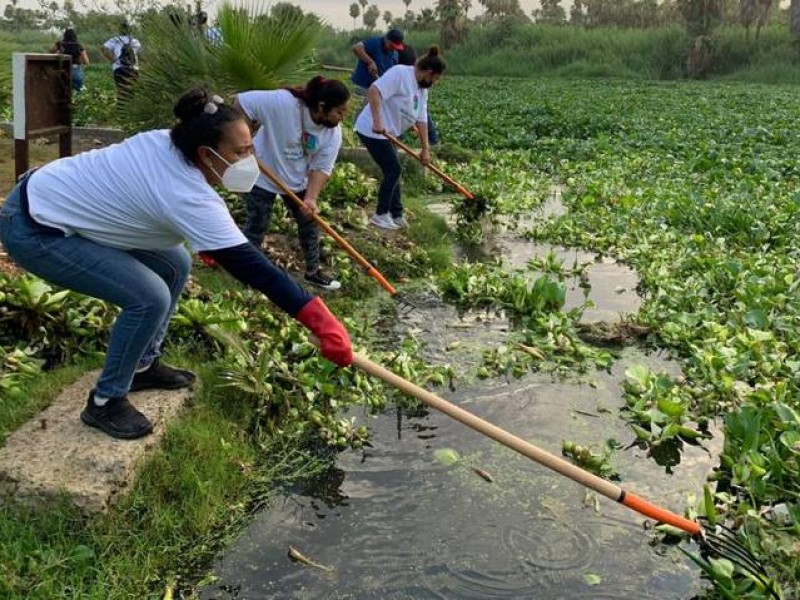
x=161, y=377
x=321, y=280
x=117, y=417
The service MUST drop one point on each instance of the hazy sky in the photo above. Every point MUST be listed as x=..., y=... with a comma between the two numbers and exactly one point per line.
x=337, y=12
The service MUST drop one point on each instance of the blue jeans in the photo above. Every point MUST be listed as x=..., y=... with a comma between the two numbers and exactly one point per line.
x=433, y=133
x=145, y=284
x=384, y=154
x=259, y=212
x=77, y=77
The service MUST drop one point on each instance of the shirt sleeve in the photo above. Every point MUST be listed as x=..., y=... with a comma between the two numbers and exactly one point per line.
x=388, y=84
x=325, y=159
x=251, y=267
x=372, y=46
x=136, y=45
x=204, y=222
x=255, y=105
x=110, y=44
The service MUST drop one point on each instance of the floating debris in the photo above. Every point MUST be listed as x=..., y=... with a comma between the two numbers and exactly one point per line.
x=483, y=474
x=298, y=556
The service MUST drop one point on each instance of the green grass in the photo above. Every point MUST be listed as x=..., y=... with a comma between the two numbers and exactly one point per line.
x=513, y=49
x=193, y=493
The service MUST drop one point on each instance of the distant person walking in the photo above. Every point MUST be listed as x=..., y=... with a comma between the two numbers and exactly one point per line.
x=396, y=102
x=70, y=46
x=376, y=55
x=408, y=56
x=123, y=52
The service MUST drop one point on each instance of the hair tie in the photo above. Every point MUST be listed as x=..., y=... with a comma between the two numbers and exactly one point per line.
x=213, y=104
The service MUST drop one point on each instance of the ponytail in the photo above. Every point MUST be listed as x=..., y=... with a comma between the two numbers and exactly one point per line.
x=432, y=61
x=330, y=92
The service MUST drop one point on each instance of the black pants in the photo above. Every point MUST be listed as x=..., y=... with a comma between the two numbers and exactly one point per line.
x=385, y=155
x=124, y=79
x=259, y=212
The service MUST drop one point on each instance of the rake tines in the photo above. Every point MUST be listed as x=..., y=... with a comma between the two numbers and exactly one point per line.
x=404, y=305
x=725, y=543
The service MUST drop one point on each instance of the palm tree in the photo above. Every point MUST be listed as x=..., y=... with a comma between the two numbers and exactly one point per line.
x=259, y=51
x=407, y=3
x=354, y=12
x=794, y=19
x=387, y=18
x=371, y=16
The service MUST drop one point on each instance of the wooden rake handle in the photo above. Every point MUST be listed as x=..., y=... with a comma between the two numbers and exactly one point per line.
x=343, y=243
x=444, y=176
x=555, y=463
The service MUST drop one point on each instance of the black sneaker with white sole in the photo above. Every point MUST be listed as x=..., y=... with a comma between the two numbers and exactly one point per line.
x=117, y=417
x=159, y=376
x=321, y=280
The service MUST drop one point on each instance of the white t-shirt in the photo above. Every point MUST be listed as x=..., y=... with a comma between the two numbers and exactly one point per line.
x=288, y=141
x=115, y=44
x=140, y=194
x=403, y=103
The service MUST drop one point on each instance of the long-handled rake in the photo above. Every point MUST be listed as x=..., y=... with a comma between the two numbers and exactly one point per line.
x=404, y=303
x=717, y=540
x=477, y=204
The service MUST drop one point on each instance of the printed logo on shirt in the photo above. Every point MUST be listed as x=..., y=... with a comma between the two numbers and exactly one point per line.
x=294, y=151
x=310, y=142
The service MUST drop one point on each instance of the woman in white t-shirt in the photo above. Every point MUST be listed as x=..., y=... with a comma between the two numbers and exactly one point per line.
x=111, y=224
x=398, y=100
x=298, y=139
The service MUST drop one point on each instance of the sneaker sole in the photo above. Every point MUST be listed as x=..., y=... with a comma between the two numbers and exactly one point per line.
x=386, y=227
x=328, y=288
x=171, y=386
x=120, y=435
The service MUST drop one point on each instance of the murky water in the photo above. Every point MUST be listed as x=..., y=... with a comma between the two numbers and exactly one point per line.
x=395, y=523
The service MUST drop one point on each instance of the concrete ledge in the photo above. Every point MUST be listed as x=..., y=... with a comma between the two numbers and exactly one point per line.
x=56, y=453
x=105, y=135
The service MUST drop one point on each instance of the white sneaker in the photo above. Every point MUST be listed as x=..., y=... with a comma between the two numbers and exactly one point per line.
x=383, y=221
x=401, y=222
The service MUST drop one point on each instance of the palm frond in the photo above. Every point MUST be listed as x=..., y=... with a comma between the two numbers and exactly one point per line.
x=258, y=51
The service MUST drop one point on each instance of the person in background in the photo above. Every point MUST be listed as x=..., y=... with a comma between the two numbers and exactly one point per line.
x=408, y=56
x=112, y=224
x=298, y=136
x=122, y=51
x=396, y=102
x=212, y=34
x=70, y=46
x=376, y=55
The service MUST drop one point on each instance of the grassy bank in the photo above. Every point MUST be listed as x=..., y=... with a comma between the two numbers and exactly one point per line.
x=515, y=49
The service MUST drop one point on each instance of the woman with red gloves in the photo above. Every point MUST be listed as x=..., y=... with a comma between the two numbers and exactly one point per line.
x=111, y=224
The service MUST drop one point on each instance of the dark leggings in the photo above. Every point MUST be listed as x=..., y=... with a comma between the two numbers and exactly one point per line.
x=385, y=155
x=259, y=212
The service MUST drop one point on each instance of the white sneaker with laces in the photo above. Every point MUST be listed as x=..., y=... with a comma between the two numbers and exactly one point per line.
x=383, y=221
x=401, y=222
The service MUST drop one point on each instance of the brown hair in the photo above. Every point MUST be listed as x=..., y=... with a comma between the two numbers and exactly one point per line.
x=432, y=61
x=320, y=90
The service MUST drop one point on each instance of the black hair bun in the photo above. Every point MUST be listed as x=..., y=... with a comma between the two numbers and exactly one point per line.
x=191, y=104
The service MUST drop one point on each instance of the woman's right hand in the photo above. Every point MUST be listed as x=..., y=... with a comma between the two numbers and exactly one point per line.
x=377, y=127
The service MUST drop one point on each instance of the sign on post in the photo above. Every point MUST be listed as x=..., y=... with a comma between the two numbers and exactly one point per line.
x=42, y=103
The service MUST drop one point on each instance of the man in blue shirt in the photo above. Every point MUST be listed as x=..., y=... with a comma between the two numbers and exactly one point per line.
x=376, y=55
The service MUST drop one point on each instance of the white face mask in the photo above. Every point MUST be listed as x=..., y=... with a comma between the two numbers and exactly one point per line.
x=240, y=176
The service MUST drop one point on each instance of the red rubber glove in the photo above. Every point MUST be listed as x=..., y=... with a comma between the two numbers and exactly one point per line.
x=207, y=260
x=334, y=343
